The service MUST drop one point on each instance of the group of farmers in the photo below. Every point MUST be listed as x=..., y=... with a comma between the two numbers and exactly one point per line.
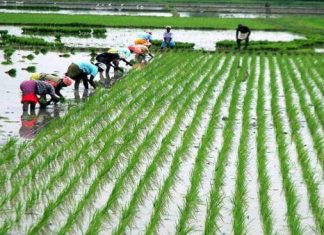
x=40, y=85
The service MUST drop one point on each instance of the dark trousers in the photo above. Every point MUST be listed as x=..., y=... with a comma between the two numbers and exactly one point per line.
x=238, y=42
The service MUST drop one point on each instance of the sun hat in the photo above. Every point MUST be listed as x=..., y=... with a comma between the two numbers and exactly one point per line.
x=35, y=76
x=67, y=81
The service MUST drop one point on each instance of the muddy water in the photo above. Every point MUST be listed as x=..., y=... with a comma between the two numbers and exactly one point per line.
x=203, y=39
x=12, y=120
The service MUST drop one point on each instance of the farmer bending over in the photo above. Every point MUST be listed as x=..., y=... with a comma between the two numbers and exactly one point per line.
x=242, y=33
x=140, y=52
x=112, y=57
x=57, y=82
x=144, y=39
x=168, y=38
x=31, y=89
x=80, y=70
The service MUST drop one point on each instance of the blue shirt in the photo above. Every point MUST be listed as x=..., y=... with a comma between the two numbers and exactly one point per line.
x=88, y=68
x=146, y=36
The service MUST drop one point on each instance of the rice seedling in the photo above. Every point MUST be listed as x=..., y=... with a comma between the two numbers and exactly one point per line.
x=79, y=31
x=31, y=69
x=66, y=164
x=11, y=72
x=215, y=197
x=303, y=156
x=135, y=141
x=184, y=92
x=29, y=57
x=293, y=217
x=239, y=201
x=134, y=160
x=263, y=175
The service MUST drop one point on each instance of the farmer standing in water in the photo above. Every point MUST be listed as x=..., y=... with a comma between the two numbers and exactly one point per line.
x=242, y=33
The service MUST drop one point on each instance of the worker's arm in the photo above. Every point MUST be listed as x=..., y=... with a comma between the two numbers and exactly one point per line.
x=51, y=92
x=127, y=63
x=58, y=91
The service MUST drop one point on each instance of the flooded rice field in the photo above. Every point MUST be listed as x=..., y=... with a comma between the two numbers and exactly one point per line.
x=12, y=120
x=214, y=145
x=92, y=12
x=121, y=37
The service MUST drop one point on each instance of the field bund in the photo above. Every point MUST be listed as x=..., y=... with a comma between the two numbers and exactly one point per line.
x=219, y=143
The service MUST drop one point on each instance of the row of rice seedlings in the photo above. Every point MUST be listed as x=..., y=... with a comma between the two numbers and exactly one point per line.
x=135, y=114
x=63, y=148
x=87, y=113
x=64, y=30
x=239, y=201
x=97, y=140
x=186, y=93
x=293, y=218
x=161, y=201
x=263, y=177
x=192, y=197
x=28, y=41
x=316, y=71
x=116, y=97
x=118, y=186
x=60, y=174
x=308, y=78
x=158, y=161
x=312, y=121
x=228, y=134
x=303, y=156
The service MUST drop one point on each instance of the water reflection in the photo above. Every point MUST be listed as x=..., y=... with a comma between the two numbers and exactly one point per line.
x=85, y=94
x=32, y=123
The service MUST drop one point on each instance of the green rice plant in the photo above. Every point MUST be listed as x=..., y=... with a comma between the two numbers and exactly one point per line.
x=185, y=92
x=29, y=57
x=28, y=41
x=215, y=197
x=7, y=53
x=263, y=177
x=160, y=202
x=45, y=218
x=293, y=218
x=47, y=158
x=43, y=147
x=192, y=199
x=12, y=72
x=239, y=200
x=312, y=122
x=146, y=180
x=302, y=152
x=63, y=30
x=31, y=69
x=116, y=189
x=52, y=181
x=306, y=77
x=297, y=45
x=179, y=45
